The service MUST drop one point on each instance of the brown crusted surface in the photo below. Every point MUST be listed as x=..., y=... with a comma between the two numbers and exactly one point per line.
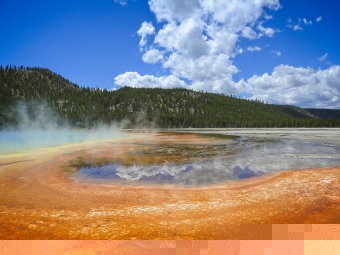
x=37, y=200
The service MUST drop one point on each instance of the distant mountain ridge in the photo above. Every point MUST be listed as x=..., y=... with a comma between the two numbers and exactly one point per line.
x=325, y=113
x=298, y=112
x=80, y=107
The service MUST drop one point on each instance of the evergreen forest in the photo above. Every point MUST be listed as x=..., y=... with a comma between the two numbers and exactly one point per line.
x=83, y=108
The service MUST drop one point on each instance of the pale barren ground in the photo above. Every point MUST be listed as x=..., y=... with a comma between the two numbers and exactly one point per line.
x=39, y=200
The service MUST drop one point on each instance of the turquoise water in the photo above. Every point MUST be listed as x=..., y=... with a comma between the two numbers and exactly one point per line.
x=16, y=141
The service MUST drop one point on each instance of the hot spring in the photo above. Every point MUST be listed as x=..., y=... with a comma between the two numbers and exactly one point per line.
x=21, y=141
x=166, y=185
x=228, y=158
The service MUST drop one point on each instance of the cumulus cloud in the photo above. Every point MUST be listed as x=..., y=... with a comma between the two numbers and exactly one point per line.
x=300, y=86
x=204, y=68
x=185, y=39
x=318, y=19
x=174, y=10
x=323, y=58
x=196, y=42
x=249, y=33
x=152, y=56
x=268, y=31
x=145, y=30
x=133, y=79
x=199, y=38
x=255, y=48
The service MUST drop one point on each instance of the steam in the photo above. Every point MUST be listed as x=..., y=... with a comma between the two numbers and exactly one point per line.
x=34, y=125
x=30, y=116
x=141, y=121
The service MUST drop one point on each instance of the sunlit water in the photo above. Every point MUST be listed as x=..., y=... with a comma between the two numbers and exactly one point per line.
x=11, y=142
x=243, y=158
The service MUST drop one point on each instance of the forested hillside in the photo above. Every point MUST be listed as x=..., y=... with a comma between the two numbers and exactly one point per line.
x=298, y=112
x=81, y=107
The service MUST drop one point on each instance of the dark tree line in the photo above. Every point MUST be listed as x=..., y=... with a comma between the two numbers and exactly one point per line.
x=81, y=107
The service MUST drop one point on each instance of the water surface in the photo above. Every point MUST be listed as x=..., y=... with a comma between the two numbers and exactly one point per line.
x=205, y=164
x=20, y=141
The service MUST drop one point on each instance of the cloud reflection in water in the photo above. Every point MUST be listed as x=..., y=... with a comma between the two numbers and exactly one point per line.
x=251, y=158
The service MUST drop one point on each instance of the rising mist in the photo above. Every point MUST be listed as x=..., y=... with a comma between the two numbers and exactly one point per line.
x=35, y=125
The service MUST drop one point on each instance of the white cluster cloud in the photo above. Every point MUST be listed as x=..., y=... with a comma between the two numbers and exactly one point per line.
x=133, y=79
x=121, y=2
x=255, y=48
x=299, y=86
x=305, y=21
x=145, y=30
x=249, y=33
x=152, y=56
x=267, y=30
x=199, y=39
x=318, y=19
x=298, y=26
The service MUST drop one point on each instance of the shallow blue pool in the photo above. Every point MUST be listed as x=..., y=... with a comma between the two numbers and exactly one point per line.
x=18, y=141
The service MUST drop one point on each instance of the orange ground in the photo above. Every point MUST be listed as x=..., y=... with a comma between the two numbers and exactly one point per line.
x=37, y=200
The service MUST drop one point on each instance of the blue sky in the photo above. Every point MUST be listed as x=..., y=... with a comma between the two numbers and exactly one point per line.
x=284, y=52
